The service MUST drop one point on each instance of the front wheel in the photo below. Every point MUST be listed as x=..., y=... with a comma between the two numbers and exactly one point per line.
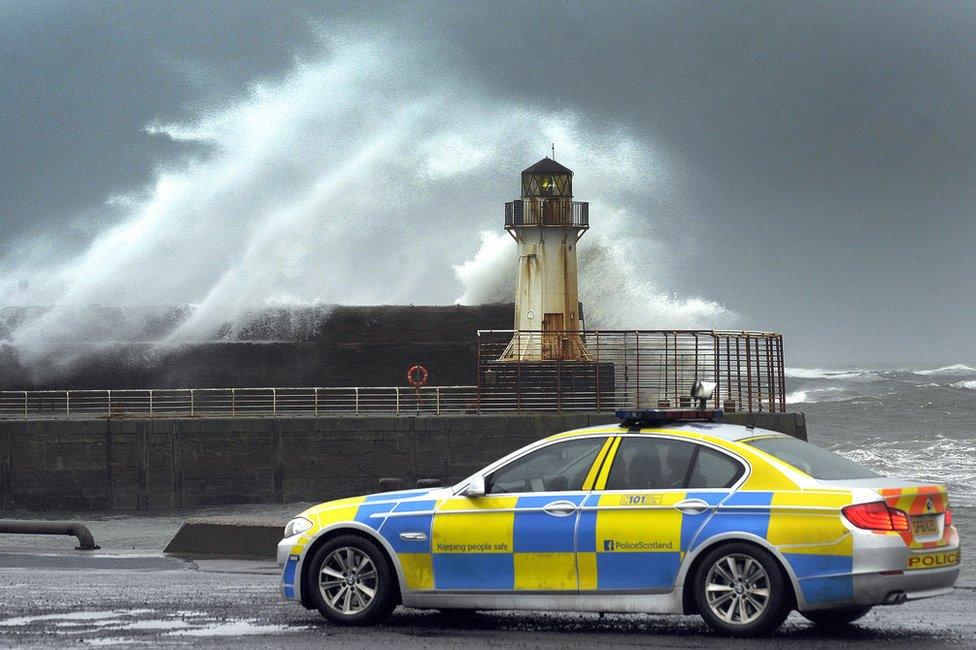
x=350, y=581
x=836, y=616
x=740, y=590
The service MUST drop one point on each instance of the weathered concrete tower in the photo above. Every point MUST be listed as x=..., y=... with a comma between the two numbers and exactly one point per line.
x=547, y=224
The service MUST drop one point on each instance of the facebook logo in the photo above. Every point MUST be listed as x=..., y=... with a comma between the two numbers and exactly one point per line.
x=608, y=545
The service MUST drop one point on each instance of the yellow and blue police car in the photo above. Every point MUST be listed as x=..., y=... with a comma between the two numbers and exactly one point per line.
x=664, y=513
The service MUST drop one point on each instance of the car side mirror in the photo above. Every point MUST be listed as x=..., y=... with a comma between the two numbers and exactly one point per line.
x=476, y=488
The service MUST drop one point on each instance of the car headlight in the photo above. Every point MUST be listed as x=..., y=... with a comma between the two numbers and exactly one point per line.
x=296, y=526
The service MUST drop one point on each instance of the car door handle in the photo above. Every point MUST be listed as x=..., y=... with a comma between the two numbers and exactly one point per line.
x=692, y=506
x=560, y=508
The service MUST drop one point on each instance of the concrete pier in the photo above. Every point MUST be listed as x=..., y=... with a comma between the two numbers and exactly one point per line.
x=139, y=464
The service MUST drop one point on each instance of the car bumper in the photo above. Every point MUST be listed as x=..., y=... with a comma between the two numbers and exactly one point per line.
x=290, y=563
x=285, y=548
x=882, y=575
x=894, y=589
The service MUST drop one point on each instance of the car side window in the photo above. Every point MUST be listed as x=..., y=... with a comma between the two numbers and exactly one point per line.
x=560, y=467
x=713, y=469
x=650, y=464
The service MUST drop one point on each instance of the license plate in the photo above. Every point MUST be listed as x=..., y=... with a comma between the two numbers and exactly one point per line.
x=933, y=560
x=924, y=526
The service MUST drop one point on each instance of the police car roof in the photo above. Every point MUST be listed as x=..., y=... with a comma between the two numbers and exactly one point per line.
x=731, y=432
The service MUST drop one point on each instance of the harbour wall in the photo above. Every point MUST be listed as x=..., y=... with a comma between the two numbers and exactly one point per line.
x=142, y=464
x=315, y=346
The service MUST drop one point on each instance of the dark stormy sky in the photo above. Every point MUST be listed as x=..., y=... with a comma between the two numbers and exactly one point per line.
x=804, y=167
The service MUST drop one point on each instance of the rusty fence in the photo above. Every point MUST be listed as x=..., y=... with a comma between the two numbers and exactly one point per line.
x=605, y=370
x=517, y=371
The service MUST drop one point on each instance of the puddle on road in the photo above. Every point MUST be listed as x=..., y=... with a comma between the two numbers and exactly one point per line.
x=151, y=624
x=142, y=626
x=89, y=617
x=238, y=627
x=116, y=640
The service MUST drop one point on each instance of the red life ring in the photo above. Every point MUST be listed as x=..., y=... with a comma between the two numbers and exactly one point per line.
x=417, y=376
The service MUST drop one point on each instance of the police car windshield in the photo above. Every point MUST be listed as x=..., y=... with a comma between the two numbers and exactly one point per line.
x=811, y=459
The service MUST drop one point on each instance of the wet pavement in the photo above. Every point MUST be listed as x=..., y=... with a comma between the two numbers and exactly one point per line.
x=60, y=599
x=129, y=594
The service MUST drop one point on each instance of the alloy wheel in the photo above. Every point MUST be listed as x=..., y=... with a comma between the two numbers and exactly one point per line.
x=737, y=589
x=348, y=580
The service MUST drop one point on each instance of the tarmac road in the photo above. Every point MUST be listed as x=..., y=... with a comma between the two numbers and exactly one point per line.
x=69, y=599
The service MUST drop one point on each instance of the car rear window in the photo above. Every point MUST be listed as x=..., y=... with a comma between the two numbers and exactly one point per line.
x=714, y=469
x=811, y=459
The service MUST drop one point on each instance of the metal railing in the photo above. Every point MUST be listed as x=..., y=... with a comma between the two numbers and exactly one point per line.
x=517, y=371
x=547, y=212
x=236, y=402
x=605, y=370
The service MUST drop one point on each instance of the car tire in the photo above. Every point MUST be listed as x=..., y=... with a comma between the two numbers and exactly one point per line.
x=842, y=616
x=350, y=581
x=740, y=590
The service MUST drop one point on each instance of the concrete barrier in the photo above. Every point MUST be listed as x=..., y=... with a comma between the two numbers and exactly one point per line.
x=227, y=537
x=184, y=463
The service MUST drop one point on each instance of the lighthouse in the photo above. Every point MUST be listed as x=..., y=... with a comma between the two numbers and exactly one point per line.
x=547, y=224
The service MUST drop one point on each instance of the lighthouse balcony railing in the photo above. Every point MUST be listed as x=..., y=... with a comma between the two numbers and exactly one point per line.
x=547, y=212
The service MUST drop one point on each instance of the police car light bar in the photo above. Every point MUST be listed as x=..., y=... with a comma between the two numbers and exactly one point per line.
x=657, y=416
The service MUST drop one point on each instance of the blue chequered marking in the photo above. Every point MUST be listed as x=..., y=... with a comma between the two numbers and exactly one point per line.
x=366, y=510
x=474, y=571
x=637, y=570
x=393, y=526
x=288, y=577
x=541, y=532
x=823, y=578
x=396, y=496
x=586, y=530
x=691, y=523
x=729, y=519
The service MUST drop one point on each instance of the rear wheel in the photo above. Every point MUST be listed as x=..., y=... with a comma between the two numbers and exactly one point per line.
x=740, y=590
x=350, y=581
x=836, y=616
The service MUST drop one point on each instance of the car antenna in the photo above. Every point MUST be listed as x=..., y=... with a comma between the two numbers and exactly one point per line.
x=755, y=418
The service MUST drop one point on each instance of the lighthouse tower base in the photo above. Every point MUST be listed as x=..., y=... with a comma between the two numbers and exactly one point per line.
x=545, y=385
x=546, y=346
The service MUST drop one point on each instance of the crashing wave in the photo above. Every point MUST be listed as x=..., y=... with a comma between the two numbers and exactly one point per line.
x=964, y=385
x=954, y=369
x=812, y=396
x=819, y=373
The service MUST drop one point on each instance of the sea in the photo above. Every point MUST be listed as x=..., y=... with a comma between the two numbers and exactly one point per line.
x=913, y=423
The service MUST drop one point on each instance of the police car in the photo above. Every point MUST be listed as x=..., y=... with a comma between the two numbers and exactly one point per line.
x=665, y=513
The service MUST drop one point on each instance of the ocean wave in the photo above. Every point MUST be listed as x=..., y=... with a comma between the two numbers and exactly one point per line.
x=947, y=461
x=814, y=395
x=955, y=369
x=819, y=373
x=965, y=385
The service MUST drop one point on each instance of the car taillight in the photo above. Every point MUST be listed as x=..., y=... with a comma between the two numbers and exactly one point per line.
x=899, y=520
x=948, y=517
x=876, y=516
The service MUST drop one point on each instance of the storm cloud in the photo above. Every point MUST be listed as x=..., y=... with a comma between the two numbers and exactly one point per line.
x=807, y=168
